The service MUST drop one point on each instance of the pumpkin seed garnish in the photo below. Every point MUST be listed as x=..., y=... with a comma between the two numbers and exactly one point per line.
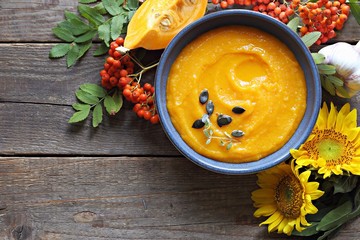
x=204, y=96
x=198, y=124
x=223, y=120
x=210, y=107
x=237, y=133
x=238, y=110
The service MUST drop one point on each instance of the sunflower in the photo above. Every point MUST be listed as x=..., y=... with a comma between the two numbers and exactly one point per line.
x=334, y=143
x=285, y=196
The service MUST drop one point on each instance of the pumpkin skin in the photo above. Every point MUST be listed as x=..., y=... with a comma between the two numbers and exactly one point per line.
x=156, y=22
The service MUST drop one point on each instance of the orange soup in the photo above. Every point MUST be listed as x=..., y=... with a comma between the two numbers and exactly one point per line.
x=252, y=91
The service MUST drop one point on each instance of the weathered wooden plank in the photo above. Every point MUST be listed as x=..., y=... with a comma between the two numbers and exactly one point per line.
x=119, y=198
x=43, y=129
x=32, y=21
x=28, y=75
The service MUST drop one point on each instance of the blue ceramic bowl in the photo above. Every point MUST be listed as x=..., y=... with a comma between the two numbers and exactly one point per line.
x=267, y=24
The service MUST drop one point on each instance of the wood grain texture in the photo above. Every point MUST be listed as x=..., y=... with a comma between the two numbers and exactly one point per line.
x=123, y=180
x=32, y=21
x=126, y=198
x=33, y=129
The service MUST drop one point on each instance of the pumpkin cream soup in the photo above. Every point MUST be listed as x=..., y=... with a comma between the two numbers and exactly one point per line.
x=236, y=94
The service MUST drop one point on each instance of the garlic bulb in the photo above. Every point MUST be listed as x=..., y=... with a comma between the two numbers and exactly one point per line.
x=346, y=59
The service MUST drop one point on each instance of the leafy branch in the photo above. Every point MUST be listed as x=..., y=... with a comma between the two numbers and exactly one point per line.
x=90, y=97
x=329, y=81
x=105, y=20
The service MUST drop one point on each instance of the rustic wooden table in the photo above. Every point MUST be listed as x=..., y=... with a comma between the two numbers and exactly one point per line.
x=123, y=180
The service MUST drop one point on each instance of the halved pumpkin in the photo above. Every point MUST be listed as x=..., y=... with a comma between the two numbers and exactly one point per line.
x=156, y=22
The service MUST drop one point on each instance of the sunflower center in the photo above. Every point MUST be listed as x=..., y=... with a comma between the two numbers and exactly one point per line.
x=330, y=145
x=288, y=196
x=330, y=149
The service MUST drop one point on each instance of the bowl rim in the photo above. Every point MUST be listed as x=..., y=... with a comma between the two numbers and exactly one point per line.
x=300, y=135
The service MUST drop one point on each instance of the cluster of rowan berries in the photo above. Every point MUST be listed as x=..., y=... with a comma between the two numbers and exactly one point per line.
x=325, y=16
x=118, y=72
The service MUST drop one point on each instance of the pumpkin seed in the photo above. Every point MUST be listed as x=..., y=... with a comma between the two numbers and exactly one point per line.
x=198, y=124
x=210, y=107
x=204, y=118
x=237, y=133
x=238, y=110
x=223, y=120
x=204, y=96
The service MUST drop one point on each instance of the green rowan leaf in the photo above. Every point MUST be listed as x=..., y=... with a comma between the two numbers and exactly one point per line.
x=342, y=91
x=91, y=14
x=117, y=23
x=100, y=8
x=132, y=4
x=318, y=58
x=80, y=106
x=326, y=69
x=83, y=48
x=110, y=105
x=335, y=80
x=112, y=7
x=86, y=97
x=69, y=15
x=104, y=33
x=63, y=34
x=73, y=26
x=59, y=50
x=355, y=10
x=118, y=100
x=80, y=115
x=329, y=87
x=294, y=23
x=93, y=89
x=101, y=50
x=310, y=38
x=72, y=55
x=87, y=1
x=97, y=115
x=86, y=36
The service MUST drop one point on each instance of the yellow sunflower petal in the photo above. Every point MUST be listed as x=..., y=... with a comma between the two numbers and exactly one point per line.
x=281, y=226
x=321, y=122
x=262, y=193
x=265, y=211
x=305, y=176
x=350, y=120
x=289, y=227
x=352, y=133
x=341, y=117
x=332, y=117
x=272, y=218
x=274, y=225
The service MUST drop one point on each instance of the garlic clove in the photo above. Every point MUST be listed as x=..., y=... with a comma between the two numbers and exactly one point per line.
x=357, y=47
x=343, y=57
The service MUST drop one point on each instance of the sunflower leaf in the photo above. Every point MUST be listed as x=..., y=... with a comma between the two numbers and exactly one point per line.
x=335, y=217
x=329, y=233
x=345, y=184
x=309, y=231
